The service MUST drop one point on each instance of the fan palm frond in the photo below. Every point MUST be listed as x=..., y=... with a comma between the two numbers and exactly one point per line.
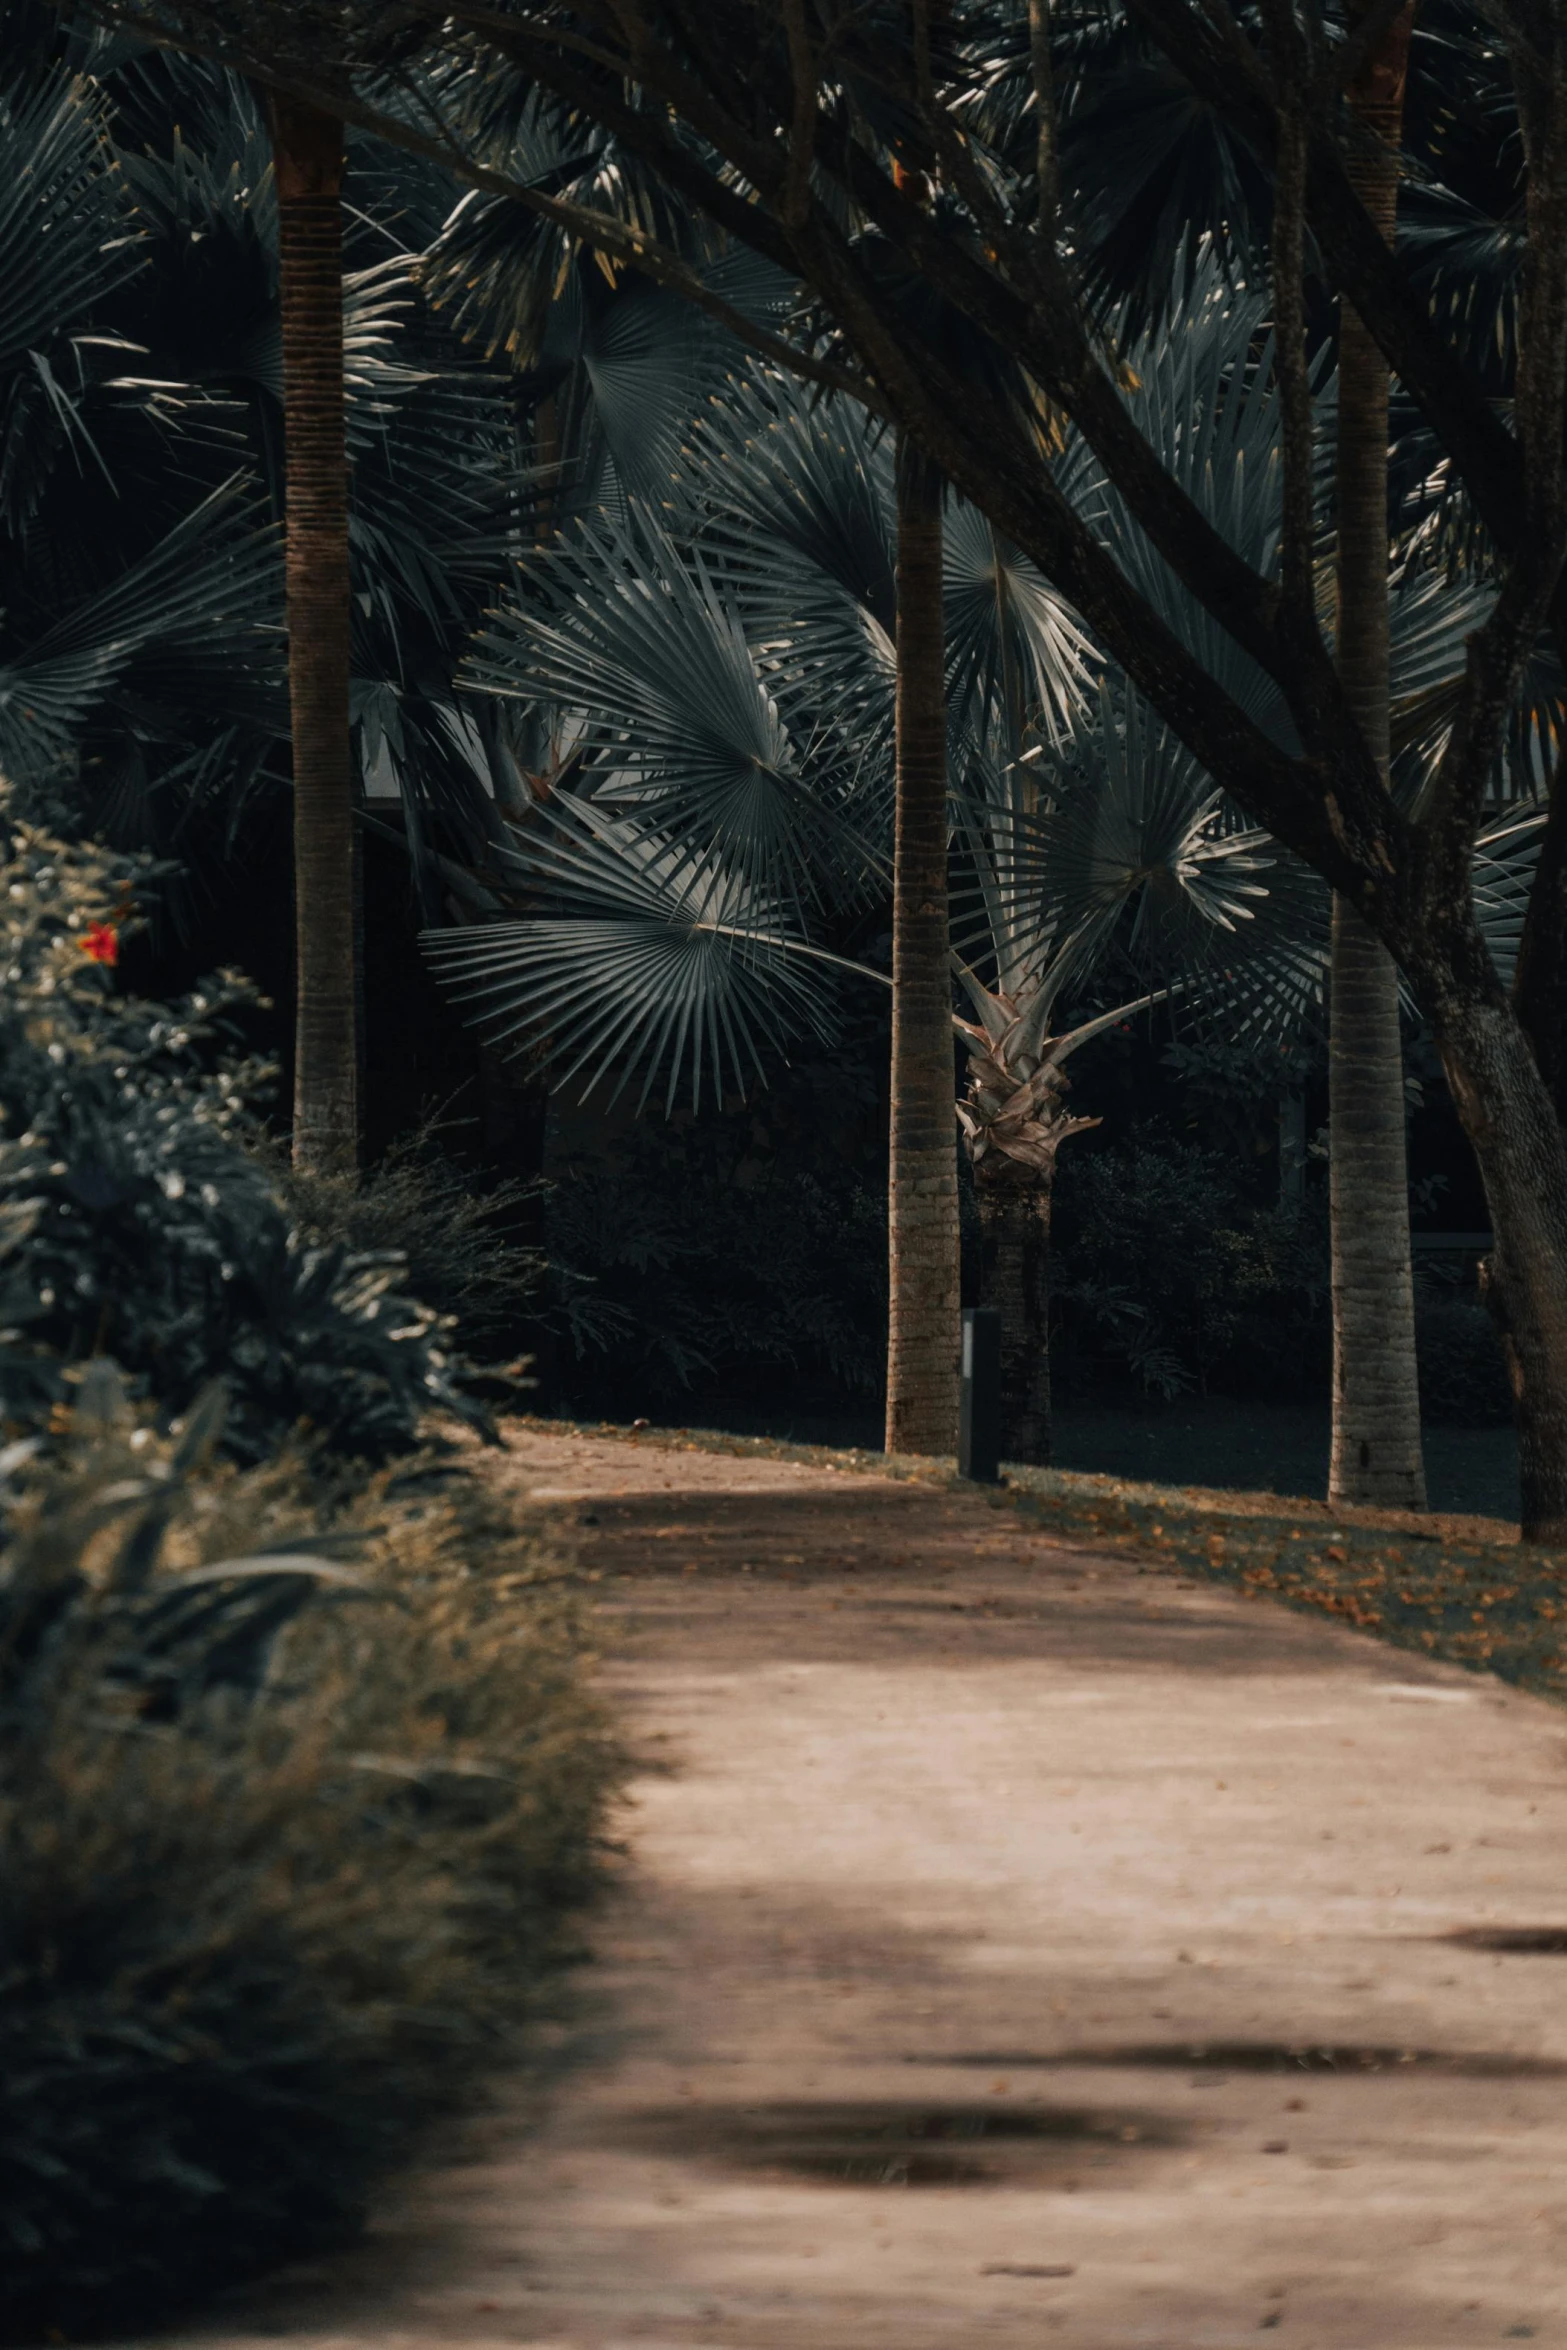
x=634, y=956
x=673, y=708
x=68, y=233
x=1018, y=660
x=205, y=598
x=1506, y=853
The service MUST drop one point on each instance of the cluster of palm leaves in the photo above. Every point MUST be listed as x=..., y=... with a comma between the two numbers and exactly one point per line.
x=655, y=782
x=141, y=457
x=709, y=850
x=704, y=864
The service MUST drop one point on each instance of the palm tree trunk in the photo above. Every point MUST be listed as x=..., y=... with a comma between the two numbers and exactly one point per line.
x=922, y=1188
x=1014, y=1222
x=1376, y=1455
x=307, y=148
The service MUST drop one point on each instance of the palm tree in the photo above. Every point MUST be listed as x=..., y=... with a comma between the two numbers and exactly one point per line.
x=1376, y=1454
x=922, y=1187
x=988, y=651
x=1158, y=180
x=308, y=156
x=1102, y=846
x=617, y=370
x=732, y=706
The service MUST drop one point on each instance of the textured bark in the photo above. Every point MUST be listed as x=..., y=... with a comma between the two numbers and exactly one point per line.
x=308, y=155
x=922, y=1204
x=1509, y=1116
x=1375, y=1454
x=1014, y=1221
x=1376, y=1405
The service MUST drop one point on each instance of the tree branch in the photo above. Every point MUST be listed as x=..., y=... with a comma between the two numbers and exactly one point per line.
x=796, y=203
x=1297, y=437
x=1047, y=161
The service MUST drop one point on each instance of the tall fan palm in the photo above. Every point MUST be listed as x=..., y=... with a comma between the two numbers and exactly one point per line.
x=616, y=376
x=1376, y=1453
x=583, y=351
x=892, y=586
x=733, y=703
x=509, y=283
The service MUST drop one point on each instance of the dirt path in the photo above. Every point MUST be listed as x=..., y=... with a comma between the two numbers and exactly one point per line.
x=1016, y=1946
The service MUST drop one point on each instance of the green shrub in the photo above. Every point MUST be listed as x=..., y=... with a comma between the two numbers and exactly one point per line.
x=1166, y=1271
x=691, y=1266
x=1462, y=1376
x=295, y=1804
x=445, y=1221
x=136, y=1222
x=1148, y=1259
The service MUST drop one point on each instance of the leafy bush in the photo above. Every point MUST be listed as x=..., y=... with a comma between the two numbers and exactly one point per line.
x=1166, y=1271
x=135, y=1220
x=1149, y=1259
x=293, y=1810
x=691, y=1265
x=1462, y=1376
x=442, y=1220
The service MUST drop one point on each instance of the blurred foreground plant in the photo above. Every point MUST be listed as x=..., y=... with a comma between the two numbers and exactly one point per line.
x=295, y=1803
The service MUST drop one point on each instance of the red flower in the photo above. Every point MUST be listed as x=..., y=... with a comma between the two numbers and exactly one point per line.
x=102, y=943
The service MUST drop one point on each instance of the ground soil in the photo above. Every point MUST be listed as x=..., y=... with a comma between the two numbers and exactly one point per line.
x=1017, y=1941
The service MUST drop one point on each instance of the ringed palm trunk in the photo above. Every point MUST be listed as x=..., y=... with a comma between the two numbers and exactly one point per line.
x=1376, y=1455
x=307, y=148
x=922, y=1188
x=1014, y=1221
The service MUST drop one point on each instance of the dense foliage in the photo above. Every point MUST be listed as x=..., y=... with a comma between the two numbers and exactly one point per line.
x=1173, y=1276
x=457, y=1230
x=294, y=1802
x=138, y=1223
x=610, y=432
x=693, y=1264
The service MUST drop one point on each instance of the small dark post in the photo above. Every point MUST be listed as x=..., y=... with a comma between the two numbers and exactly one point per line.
x=979, y=1419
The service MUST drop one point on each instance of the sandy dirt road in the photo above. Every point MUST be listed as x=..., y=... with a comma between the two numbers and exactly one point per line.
x=1014, y=1946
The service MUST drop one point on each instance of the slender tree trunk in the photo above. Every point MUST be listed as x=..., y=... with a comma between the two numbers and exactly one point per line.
x=1510, y=1118
x=1014, y=1222
x=307, y=151
x=1376, y=1455
x=922, y=1217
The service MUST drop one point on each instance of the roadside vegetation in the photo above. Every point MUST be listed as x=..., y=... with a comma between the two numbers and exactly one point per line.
x=300, y=1793
x=301, y=1787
